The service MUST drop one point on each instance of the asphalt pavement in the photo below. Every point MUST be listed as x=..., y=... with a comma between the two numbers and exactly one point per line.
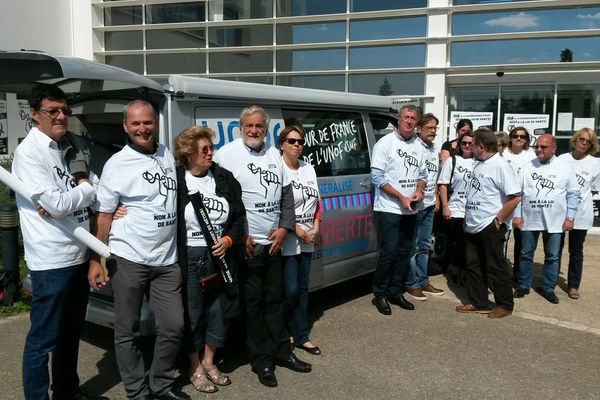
x=543, y=351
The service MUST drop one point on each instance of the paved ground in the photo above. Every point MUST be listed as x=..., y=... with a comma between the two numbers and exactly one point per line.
x=544, y=351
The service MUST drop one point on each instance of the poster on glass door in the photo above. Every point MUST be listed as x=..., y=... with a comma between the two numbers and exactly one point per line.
x=536, y=124
x=478, y=119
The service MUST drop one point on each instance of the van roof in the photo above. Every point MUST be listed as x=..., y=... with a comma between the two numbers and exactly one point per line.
x=263, y=94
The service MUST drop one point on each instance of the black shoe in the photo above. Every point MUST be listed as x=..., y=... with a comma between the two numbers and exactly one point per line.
x=520, y=292
x=315, y=351
x=172, y=395
x=292, y=362
x=77, y=396
x=266, y=376
x=550, y=295
x=382, y=305
x=401, y=302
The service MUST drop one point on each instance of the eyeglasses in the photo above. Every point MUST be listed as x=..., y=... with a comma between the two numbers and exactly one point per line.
x=518, y=137
x=205, y=149
x=430, y=128
x=584, y=140
x=466, y=143
x=541, y=146
x=292, y=141
x=53, y=112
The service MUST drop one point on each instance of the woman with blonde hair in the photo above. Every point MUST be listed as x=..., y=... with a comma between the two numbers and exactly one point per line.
x=584, y=144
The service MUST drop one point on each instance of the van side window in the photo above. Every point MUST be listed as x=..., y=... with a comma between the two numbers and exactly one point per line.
x=336, y=143
x=382, y=124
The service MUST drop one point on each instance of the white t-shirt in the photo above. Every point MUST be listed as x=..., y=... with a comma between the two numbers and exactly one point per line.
x=587, y=172
x=516, y=161
x=545, y=187
x=492, y=182
x=261, y=176
x=39, y=164
x=402, y=162
x=432, y=163
x=463, y=170
x=306, y=198
x=146, y=185
x=216, y=206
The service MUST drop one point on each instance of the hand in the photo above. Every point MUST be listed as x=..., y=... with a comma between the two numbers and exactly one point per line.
x=405, y=202
x=568, y=225
x=249, y=247
x=97, y=275
x=417, y=195
x=517, y=223
x=120, y=212
x=219, y=249
x=436, y=207
x=276, y=238
x=446, y=213
x=42, y=212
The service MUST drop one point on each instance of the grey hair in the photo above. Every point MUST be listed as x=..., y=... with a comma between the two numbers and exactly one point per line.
x=253, y=110
x=142, y=103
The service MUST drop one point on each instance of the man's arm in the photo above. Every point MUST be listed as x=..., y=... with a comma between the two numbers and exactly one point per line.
x=97, y=274
x=509, y=206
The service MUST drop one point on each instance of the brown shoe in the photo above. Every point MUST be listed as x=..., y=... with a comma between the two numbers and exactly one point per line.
x=499, y=312
x=416, y=294
x=573, y=293
x=470, y=308
x=430, y=290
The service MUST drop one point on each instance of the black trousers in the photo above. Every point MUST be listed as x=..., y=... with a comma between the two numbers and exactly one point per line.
x=487, y=267
x=266, y=335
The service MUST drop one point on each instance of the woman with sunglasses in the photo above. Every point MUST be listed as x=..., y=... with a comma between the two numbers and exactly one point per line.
x=452, y=184
x=298, y=248
x=207, y=309
x=517, y=155
x=451, y=147
x=584, y=144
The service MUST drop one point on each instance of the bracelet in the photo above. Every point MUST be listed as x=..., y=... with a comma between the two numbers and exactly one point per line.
x=228, y=240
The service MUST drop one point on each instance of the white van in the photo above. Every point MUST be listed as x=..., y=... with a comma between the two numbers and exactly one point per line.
x=341, y=129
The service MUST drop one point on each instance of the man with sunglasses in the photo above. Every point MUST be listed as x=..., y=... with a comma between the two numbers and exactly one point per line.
x=58, y=262
x=551, y=196
x=270, y=212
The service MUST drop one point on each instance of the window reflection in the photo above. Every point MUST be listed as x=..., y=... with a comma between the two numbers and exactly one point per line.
x=177, y=12
x=192, y=63
x=525, y=51
x=131, y=15
x=464, y=2
x=267, y=80
x=387, y=56
x=325, y=82
x=134, y=63
x=175, y=38
x=241, y=36
x=289, y=8
x=311, y=33
x=240, y=9
x=403, y=83
x=388, y=28
x=526, y=20
x=128, y=40
x=582, y=101
x=241, y=61
x=376, y=5
x=311, y=60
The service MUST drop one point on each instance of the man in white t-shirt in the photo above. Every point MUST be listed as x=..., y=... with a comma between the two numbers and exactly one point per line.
x=550, y=199
x=492, y=196
x=141, y=177
x=269, y=204
x=60, y=190
x=399, y=174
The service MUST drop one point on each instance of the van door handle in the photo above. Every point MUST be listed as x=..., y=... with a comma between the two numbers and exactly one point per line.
x=366, y=183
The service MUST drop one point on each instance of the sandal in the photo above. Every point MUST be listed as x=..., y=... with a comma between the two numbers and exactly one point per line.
x=216, y=377
x=204, y=385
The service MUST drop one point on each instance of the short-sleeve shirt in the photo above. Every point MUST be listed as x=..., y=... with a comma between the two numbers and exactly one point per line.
x=458, y=182
x=492, y=182
x=587, y=173
x=402, y=162
x=432, y=163
x=146, y=185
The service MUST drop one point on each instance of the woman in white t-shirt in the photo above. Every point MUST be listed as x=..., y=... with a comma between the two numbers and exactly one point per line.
x=452, y=184
x=298, y=247
x=584, y=143
x=517, y=154
x=208, y=309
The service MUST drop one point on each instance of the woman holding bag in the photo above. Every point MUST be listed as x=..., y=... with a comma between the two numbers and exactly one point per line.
x=208, y=308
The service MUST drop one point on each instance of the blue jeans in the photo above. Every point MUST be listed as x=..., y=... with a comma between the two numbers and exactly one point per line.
x=204, y=310
x=576, y=240
x=296, y=271
x=529, y=241
x=417, y=274
x=58, y=305
x=396, y=244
